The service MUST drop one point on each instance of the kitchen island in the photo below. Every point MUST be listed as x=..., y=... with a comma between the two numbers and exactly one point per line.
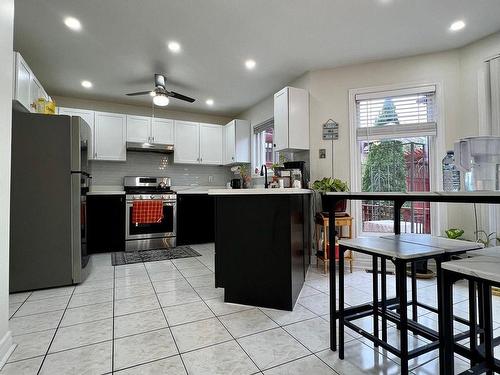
x=262, y=245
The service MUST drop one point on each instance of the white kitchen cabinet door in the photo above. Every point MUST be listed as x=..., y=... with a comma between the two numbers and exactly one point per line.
x=138, y=129
x=210, y=144
x=162, y=131
x=88, y=117
x=36, y=92
x=281, y=120
x=110, y=136
x=187, y=142
x=291, y=119
x=229, y=143
x=22, y=84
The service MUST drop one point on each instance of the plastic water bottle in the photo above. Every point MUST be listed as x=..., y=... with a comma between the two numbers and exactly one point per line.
x=451, y=175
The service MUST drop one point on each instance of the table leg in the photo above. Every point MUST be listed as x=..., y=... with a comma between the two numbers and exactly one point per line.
x=403, y=314
x=446, y=352
x=488, y=328
x=414, y=296
x=341, y=301
x=375, y=296
x=333, y=282
x=472, y=320
x=383, y=272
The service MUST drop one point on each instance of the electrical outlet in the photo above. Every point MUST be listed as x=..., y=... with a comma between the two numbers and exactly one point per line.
x=210, y=178
x=322, y=153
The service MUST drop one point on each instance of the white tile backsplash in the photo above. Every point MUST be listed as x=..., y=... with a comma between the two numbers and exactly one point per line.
x=155, y=164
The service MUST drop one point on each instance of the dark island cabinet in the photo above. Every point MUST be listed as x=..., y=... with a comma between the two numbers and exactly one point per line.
x=105, y=223
x=195, y=219
x=262, y=248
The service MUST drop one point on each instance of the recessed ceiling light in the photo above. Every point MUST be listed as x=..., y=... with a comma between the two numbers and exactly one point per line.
x=250, y=64
x=174, y=46
x=209, y=102
x=161, y=100
x=457, y=25
x=87, y=84
x=73, y=23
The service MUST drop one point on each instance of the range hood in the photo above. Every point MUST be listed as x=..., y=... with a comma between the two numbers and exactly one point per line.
x=150, y=147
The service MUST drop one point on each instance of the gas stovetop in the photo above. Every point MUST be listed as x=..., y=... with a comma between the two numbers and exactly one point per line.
x=139, y=190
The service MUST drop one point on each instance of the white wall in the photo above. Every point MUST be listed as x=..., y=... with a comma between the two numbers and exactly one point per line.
x=454, y=71
x=6, y=47
x=104, y=106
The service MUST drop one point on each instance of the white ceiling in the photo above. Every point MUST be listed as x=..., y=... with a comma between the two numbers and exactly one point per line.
x=123, y=42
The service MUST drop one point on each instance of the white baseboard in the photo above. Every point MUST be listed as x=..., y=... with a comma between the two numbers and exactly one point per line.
x=6, y=348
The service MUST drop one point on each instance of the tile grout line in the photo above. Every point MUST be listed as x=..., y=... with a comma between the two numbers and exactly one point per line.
x=55, y=333
x=22, y=304
x=235, y=340
x=166, y=320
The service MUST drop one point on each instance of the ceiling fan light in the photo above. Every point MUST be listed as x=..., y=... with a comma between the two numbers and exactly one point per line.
x=161, y=100
x=152, y=93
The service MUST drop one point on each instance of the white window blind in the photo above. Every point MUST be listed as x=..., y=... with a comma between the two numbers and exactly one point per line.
x=406, y=113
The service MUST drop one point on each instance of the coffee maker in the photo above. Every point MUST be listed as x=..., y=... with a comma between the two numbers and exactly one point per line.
x=298, y=176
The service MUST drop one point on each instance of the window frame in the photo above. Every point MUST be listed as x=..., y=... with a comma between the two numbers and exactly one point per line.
x=257, y=151
x=436, y=148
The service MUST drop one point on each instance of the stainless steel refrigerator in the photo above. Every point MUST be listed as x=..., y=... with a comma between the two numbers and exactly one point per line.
x=48, y=201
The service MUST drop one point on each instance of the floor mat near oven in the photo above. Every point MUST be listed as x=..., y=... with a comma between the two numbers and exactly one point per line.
x=130, y=257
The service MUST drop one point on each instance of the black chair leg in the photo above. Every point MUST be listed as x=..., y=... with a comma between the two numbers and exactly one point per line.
x=403, y=314
x=375, y=296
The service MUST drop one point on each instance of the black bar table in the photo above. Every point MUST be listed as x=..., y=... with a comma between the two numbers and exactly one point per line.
x=401, y=254
x=481, y=271
x=399, y=199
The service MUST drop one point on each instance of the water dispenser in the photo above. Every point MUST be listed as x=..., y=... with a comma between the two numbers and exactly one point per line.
x=479, y=158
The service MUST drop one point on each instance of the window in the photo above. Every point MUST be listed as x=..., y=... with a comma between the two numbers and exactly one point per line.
x=263, y=145
x=395, y=132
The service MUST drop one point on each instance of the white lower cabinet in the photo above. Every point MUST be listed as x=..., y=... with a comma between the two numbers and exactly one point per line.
x=211, y=144
x=197, y=143
x=187, y=142
x=88, y=117
x=110, y=136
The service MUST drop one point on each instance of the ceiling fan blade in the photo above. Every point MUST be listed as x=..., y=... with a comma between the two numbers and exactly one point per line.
x=159, y=80
x=138, y=93
x=176, y=95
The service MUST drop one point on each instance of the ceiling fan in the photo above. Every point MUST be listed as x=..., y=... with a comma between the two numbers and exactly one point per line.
x=160, y=94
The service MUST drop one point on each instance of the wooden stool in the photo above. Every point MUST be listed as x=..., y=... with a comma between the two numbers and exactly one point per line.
x=322, y=223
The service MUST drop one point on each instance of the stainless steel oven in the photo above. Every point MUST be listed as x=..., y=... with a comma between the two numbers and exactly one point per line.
x=151, y=235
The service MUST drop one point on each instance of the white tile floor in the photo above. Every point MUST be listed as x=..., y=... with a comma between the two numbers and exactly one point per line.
x=166, y=317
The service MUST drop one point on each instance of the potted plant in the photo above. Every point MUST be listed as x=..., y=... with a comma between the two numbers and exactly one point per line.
x=328, y=184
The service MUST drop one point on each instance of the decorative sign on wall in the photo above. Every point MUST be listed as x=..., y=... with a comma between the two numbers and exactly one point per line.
x=330, y=130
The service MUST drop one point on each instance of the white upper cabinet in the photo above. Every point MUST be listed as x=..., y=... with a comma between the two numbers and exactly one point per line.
x=162, y=131
x=291, y=119
x=26, y=87
x=22, y=89
x=138, y=129
x=150, y=130
x=197, y=143
x=110, y=136
x=236, y=142
x=187, y=142
x=211, y=144
x=88, y=117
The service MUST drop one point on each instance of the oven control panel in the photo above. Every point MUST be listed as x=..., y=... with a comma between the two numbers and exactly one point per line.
x=163, y=197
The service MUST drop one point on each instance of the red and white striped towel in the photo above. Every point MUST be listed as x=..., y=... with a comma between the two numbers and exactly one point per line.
x=147, y=211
